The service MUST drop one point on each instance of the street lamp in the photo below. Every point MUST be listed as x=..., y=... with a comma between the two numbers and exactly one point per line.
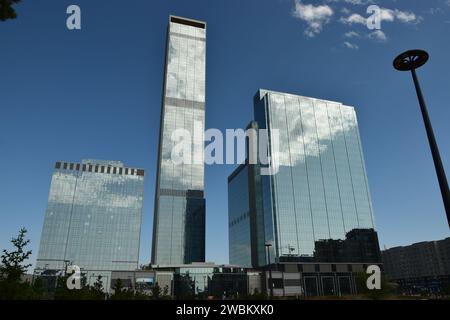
x=268, y=245
x=410, y=61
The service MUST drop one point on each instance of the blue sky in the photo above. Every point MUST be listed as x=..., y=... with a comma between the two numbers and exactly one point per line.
x=96, y=93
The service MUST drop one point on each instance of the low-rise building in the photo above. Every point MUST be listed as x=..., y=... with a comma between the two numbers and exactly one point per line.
x=420, y=267
x=310, y=279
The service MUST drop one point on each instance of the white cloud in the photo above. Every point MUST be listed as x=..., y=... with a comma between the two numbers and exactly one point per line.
x=96, y=192
x=345, y=10
x=433, y=11
x=310, y=128
x=353, y=2
x=378, y=35
x=386, y=15
x=354, y=18
x=351, y=34
x=406, y=17
x=351, y=45
x=315, y=16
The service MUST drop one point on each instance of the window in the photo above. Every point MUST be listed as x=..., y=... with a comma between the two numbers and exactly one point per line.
x=277, y=283
x=187, y=22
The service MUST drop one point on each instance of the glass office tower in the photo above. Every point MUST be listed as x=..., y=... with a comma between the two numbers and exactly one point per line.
x=239, y=234
x=179, y=214
x=93, y=217
x=320, y=192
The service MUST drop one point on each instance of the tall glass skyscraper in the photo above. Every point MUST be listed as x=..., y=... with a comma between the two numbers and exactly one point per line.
x=320, y=192
x=93, y=217
x=179, y=214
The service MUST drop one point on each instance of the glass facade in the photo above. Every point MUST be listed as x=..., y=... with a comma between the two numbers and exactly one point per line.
x=320, y=190
x=317, y=206
x=202, y=282
x=239, y=234
x=93, y=217
x=179, y=215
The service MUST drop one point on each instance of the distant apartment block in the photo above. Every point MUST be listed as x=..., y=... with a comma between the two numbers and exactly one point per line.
x=423, y=266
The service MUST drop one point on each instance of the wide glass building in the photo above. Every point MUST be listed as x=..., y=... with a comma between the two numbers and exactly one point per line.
x=319, y=192
x=93, y=217
x=179, y=214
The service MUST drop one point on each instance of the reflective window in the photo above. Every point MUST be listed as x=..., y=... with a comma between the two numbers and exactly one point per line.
x=320, y=191
x=93, y=220
x=179, y=235
x=239, y=219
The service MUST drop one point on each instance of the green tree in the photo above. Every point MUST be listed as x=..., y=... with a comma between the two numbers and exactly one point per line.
x=97, y=289
x=140, y=295
x=256, y=295
x=118, y=286
x=38, y=288
x=13, y=262
x=156, y=291
x=12, y=268
x=122, y=293
x=63, y=293
x=6, y=9
x=387, y=288
x=165, y=292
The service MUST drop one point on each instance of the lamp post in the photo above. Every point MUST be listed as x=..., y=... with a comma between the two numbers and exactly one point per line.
x=410, y=61
x=268, y=245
